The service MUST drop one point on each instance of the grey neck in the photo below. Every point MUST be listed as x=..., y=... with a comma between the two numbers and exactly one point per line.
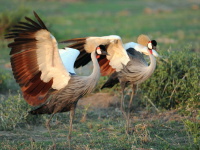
x=96, y=69
x=148, y=71
x=151, y=67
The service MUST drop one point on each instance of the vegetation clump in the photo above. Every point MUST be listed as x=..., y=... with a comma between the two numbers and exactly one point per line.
x=175, y=82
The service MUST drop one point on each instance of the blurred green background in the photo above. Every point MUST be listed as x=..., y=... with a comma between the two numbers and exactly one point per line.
x=174, y=24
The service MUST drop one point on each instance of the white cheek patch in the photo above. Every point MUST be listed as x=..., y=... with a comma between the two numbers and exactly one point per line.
x=150, y=46
x=99, y=51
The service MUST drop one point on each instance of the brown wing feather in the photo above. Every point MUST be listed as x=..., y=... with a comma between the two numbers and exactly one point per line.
x=106, y=69
x=24, y=61
x=75, y=40
x=36, y=91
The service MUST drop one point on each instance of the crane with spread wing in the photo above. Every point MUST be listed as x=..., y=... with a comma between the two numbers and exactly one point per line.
x=46, y=74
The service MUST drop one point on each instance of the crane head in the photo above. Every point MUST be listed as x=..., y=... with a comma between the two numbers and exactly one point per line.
x=101, y=50
x=152, y=45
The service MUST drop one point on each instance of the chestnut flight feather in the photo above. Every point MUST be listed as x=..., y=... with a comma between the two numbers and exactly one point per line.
x=35, y=61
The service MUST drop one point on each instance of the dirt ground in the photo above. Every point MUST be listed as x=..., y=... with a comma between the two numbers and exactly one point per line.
x=99, y=100
x=106, y=100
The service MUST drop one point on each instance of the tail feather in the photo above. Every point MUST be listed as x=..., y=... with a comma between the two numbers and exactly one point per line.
x=113, y=79
x=41, y=110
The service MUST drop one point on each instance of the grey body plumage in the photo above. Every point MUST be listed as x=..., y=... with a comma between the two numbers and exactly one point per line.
x=135, y=72
x=137, y=69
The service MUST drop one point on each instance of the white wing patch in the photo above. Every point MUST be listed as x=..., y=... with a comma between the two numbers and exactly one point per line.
x=93, y=42
x=117, y=55
x=139, y=48
x=49, y=60
x=68, y=57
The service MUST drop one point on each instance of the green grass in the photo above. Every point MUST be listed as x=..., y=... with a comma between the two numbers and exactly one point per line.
x=102, y=129
x=175, y=25
x=102, y=133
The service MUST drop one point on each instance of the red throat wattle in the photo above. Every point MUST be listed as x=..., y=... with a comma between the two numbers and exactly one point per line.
x=97, y=56
x=150, y=50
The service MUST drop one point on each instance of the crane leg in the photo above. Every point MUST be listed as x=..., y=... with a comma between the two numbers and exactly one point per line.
x=122, y=101
x=72, y=112
x=128, y=121
x=123, y=84
x=49, y=130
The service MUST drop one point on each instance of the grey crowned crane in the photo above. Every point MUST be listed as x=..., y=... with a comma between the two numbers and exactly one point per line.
x=46, y=81
x=125, y=63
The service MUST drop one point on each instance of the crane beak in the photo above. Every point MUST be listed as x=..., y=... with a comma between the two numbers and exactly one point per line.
x=155, y=53
x=104, y=53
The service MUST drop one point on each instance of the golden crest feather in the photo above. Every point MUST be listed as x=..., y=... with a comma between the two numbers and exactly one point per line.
x=143, y=39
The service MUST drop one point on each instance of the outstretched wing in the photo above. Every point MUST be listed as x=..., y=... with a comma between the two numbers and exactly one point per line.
x=113, y=62
x=35, y=61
